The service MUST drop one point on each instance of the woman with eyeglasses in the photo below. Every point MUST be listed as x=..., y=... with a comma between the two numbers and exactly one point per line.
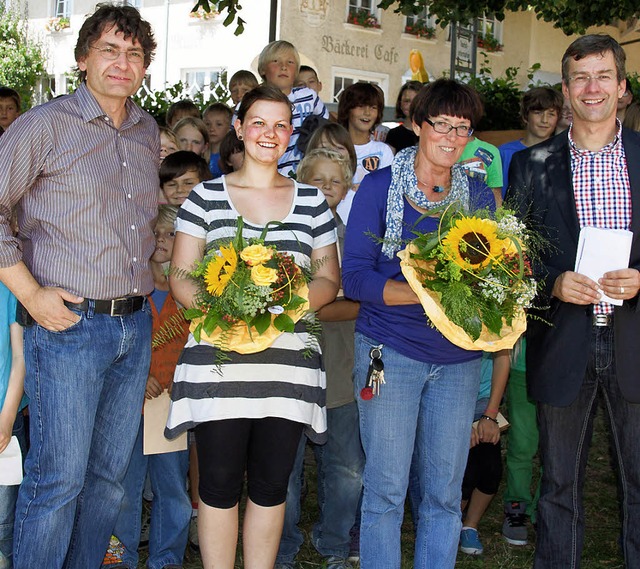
x=425, y=407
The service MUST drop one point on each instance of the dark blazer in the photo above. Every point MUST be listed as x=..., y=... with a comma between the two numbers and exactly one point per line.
x=540, y=187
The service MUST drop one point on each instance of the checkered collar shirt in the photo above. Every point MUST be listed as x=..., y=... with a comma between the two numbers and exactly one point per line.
x=601, y=189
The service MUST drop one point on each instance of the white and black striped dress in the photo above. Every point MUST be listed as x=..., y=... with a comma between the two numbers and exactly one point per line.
x=279, y=381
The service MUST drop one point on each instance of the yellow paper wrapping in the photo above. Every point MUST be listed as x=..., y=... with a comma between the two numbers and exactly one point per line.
x=430, y=300
x=237, y=339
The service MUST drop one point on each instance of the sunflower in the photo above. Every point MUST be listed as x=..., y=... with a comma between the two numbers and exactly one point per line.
x=220, y=270
x=473, y=243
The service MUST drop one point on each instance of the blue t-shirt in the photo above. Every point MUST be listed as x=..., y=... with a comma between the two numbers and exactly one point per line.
x=8, y=305
x=216, y=172
x=365, y=271
x=507, y=150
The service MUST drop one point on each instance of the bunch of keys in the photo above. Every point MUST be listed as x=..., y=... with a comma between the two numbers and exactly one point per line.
x=375, y=375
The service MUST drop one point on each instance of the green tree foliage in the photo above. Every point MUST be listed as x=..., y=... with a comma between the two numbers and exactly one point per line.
x=571, y=16
x=501, y=97
x=23, y=59
x=157, y=103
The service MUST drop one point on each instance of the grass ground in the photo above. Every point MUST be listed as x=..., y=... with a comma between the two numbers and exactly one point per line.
x=601, y=542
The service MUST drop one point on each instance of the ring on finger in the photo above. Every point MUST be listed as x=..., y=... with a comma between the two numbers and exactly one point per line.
x=621, y=290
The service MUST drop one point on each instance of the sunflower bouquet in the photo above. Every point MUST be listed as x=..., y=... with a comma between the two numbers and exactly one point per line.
x=249, y=294
x=473, y=277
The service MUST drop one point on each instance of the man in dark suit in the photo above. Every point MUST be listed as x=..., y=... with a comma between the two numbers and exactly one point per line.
x=586, y=349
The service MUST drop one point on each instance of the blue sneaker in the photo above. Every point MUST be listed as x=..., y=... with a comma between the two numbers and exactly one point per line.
x=470, y=542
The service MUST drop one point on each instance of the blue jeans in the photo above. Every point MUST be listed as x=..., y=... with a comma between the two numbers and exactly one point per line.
x=170, y=510
x=85, y=387
x=8, y=496
x=424, y=406
x=565, y=437
x=340, y=462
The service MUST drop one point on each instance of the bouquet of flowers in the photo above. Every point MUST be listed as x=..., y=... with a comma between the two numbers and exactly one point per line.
x=473, y=277
x=250, y=293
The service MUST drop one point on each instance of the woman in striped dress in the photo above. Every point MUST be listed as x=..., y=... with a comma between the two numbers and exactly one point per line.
x=250, y=412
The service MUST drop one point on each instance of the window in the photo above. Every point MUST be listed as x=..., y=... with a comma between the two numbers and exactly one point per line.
x=202, y=81
x=134, y=3
x=422, y=25
x=486, y=25
x=343, y=78
x=489, y=26
x=62, y=8
x=363, y=13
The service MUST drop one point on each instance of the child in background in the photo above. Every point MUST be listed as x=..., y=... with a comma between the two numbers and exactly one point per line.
x=340, y=461
x=171, y=507
x=12, y=401
x=9, y=107
x=484, y=466
x=360, y=112
x=540, y=112
x=334, y=137
x=179, y=173
x=278, y=65
x=241, y=82
x=217, y=118
x=231, y=153
x=403, y=136
x=168, y=142
x=180, y=110
x=308, y=77
x=193, y=135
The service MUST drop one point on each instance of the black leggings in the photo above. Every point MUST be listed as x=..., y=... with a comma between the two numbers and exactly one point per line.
x=265, y=448
x=484, y=470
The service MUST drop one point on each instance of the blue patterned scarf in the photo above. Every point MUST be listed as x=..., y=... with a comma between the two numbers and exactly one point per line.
x=404, y=182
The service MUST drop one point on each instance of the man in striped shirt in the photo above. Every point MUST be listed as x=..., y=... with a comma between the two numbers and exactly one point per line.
x=583, y=347
x=82, y=172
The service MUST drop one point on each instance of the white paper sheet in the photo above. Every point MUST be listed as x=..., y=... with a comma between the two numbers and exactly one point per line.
x=156, y=412
x=601, y=251
x=11, y=464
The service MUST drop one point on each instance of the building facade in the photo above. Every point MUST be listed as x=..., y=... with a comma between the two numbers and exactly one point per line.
x=344, y=40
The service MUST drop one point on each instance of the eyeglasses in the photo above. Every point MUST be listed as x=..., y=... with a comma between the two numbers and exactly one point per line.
x=442, y=127
x=583, y=79
x=111, y=54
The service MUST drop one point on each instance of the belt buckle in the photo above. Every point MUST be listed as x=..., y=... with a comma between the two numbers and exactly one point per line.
x=116, y=305
x=601, y=320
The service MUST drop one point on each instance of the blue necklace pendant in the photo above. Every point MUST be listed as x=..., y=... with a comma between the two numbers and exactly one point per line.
x=437, y=189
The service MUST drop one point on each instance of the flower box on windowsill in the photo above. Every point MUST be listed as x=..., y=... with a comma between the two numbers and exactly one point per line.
x=489, y=43
x=421, y=31
x=363, y=18
x=56, y=25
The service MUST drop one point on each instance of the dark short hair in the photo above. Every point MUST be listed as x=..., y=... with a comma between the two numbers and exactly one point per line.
x=446, y=97
x=594, y=44
x=218, y=108
x=308, y=69
x=9, y=93
x=179, y=163
x=230, y=145
x=541, y=99
x=358, y=95
x=126, y=19
x=408, y=86
x=262, y=92
x=183, y=105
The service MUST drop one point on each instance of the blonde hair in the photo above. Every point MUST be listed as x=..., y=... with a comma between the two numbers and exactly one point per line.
x=167, y=215
x=272, y=50
x=306, y=165
x=166, y=131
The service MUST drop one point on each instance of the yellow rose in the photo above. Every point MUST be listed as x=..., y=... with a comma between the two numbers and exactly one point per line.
x=256, y=254
x=263, y=276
